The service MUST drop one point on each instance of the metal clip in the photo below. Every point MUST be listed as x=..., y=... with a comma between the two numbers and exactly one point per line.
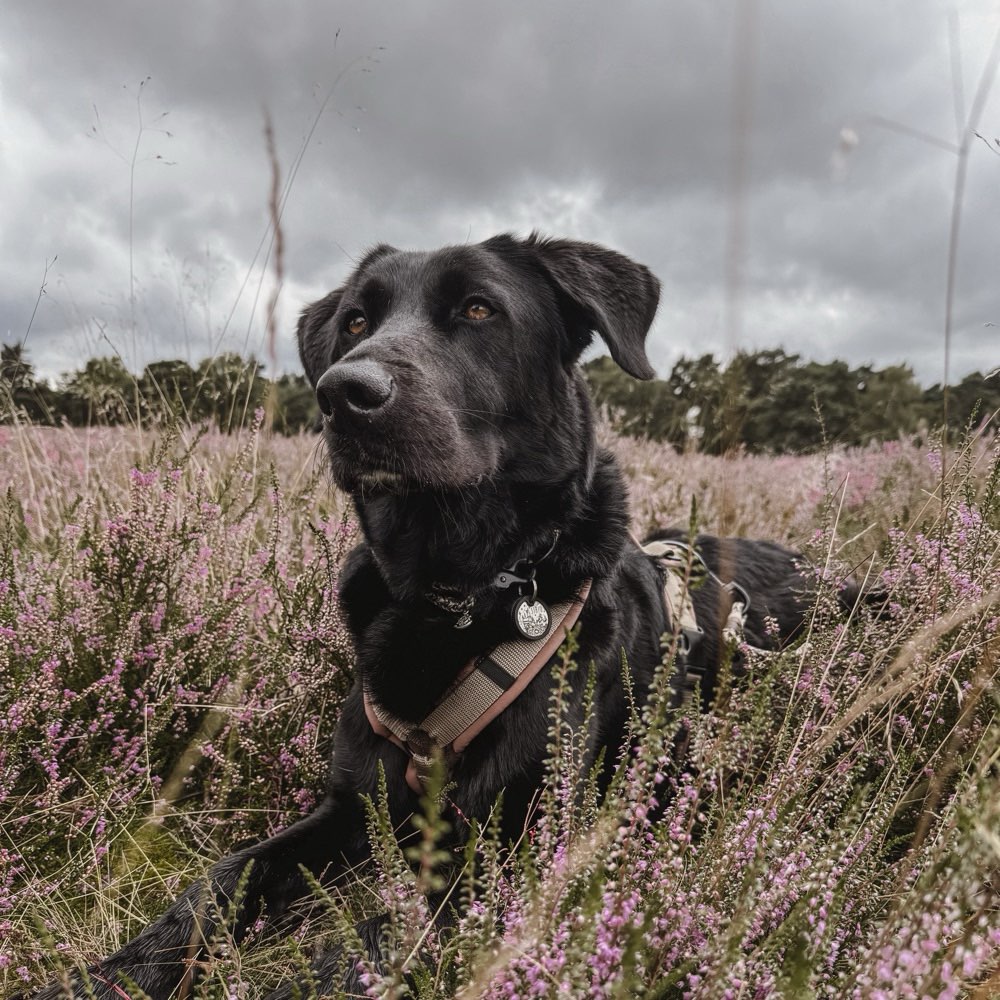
x=505, y=578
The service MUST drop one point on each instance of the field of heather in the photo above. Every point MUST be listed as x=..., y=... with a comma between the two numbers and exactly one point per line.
x=172, y=664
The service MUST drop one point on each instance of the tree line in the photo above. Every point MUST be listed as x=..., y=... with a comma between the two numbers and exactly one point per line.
x=770, y=401
x=762, y=401
x=224, y=390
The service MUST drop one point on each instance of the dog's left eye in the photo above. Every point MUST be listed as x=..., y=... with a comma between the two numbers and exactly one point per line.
x=356, y=324
x=476, y=310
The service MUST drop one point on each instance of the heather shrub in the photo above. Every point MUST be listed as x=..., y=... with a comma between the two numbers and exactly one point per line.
x=170, y=649
x=171, y=665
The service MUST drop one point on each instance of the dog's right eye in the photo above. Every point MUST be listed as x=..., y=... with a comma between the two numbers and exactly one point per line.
x=477, y=310
x=356, y=324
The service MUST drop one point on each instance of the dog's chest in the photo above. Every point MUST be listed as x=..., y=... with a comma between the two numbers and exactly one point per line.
x=407, y=663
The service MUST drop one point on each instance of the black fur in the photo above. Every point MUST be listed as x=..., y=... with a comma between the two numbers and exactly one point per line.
x=460, y=424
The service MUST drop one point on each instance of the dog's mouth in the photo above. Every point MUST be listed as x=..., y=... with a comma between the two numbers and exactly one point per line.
x=380, y=478
x=414, y=443
x=372, y=480
x=358, y=468
x=392, y=425
x=371, y=477
x=413, y=454
x=361, y=472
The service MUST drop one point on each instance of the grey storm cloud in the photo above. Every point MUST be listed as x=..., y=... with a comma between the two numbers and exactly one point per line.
x=423, y=124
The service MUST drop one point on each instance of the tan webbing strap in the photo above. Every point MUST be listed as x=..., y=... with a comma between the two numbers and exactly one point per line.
x=736, y=621
x=681, y=563
x=676, y=592
x=484, y=688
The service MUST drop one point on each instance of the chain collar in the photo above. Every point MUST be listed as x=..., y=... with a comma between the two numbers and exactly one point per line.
x=461, y=605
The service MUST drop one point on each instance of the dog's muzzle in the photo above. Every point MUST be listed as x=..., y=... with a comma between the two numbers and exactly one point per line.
x=353, y=390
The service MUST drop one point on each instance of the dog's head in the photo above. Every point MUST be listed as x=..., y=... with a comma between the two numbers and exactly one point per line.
x=441, y=369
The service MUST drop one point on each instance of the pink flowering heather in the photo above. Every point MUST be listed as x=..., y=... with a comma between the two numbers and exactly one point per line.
x=169, y=650
x=171, y=668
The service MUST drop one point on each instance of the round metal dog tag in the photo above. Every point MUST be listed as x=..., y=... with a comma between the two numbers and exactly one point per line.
x=531, y=618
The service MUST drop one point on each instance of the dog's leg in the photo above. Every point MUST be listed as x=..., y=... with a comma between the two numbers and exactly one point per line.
x=268, y=876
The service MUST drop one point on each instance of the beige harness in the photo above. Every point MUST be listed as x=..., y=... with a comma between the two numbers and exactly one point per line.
x=681, y=564
x=484, y=688
x=488, y=684
x=675, y=558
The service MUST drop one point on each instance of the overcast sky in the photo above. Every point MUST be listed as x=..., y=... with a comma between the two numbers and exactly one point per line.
x=705, y=138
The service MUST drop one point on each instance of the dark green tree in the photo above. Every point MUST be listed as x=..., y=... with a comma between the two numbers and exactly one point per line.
x=698, y=390
x=167, y=390
x=295, y=407
x=637, y=408
x=759, y=382
x=17, y=381
x=102, y=392
x=16, y=372
x=228, y=389
x=973, y=400
x=889, y=403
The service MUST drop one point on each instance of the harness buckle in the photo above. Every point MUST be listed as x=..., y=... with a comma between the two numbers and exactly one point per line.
x=688, y=640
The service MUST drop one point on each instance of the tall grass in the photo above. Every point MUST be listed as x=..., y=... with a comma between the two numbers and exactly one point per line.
x=172, y=663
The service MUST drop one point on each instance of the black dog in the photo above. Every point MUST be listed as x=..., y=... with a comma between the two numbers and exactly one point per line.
x=458, y=420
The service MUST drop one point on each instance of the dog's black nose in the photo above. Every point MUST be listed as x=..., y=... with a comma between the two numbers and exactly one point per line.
x=360, y=386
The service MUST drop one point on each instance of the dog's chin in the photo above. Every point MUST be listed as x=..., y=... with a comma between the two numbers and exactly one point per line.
x=376, y=481
x=379, y=480
x=372, y=469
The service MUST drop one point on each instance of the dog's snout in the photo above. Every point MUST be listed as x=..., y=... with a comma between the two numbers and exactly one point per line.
x=361, y=387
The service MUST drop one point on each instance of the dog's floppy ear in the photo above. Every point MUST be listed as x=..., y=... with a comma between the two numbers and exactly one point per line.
x=604, y=292
x=315, y=342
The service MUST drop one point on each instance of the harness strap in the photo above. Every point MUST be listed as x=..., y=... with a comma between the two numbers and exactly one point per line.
x=482, y=690
x=675, y=560
x=681, y=563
